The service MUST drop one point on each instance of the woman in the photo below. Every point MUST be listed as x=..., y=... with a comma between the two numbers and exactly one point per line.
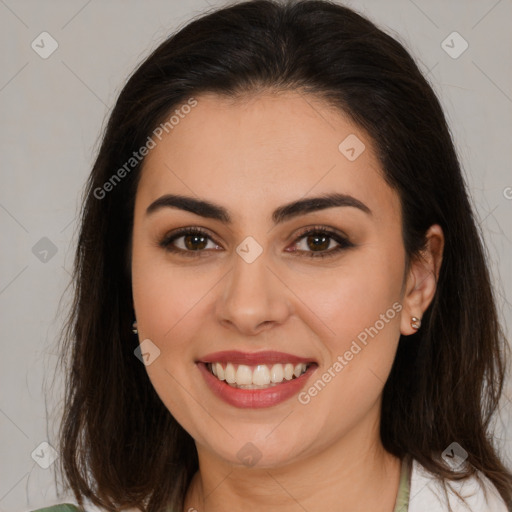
x=282, y=298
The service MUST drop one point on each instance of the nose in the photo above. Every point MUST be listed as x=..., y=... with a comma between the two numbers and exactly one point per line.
x=252, y=299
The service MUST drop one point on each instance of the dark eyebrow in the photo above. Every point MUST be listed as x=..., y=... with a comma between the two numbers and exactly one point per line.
x=288, y=211
x=190, y=204
x=312, y=204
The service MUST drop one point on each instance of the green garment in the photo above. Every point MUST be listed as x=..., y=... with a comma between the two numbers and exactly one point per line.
x=402, y=499
x=67, y=507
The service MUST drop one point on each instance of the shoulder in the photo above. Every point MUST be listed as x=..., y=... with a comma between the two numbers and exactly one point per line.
x=427, y=494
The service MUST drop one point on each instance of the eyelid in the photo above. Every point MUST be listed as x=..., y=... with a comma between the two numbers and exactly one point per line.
x=319, y=228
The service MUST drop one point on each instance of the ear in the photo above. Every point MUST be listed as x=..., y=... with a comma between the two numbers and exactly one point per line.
x=421, y=280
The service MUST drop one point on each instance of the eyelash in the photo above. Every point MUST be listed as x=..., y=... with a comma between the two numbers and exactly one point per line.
x=344, y=243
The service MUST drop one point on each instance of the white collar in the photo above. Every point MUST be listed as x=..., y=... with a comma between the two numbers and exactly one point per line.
x=427, y=494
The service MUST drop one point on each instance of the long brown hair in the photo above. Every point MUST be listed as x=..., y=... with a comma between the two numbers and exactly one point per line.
x=120, y=446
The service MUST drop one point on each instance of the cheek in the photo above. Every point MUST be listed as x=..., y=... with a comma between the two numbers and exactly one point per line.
x=359, y=303
x=353, y=296
x=165, y=295
x=166, y=301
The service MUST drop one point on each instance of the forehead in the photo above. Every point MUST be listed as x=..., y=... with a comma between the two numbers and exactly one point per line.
x=262, y=149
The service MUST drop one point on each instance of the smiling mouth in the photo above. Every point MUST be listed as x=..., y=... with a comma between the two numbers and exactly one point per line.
x=260, y=376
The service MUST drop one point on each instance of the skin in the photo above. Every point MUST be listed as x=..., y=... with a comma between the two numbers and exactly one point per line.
x=252, y=156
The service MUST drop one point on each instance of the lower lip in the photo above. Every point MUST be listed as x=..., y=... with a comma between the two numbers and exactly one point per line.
x=255, y=398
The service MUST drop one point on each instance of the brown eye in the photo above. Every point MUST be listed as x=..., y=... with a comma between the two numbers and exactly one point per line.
x=188, y=241
x=195, y=242
x=320, y=242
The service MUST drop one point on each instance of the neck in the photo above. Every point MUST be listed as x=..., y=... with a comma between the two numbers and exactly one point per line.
x=355, y=473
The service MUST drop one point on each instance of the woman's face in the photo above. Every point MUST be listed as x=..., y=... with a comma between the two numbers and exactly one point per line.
x=252, y=281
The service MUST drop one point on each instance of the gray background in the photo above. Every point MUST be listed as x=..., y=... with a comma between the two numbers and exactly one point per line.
x=52, y=113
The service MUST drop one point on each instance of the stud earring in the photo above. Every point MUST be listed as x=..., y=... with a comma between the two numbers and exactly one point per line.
x=415, y=323
x=134, y=327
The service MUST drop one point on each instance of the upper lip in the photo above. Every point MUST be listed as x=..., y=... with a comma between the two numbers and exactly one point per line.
x=251, y=358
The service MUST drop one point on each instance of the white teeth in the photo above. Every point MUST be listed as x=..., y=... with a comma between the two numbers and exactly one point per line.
x=277, y=373
x=243, y=375
x=288, y=371
x=298, y=370
x=230, y=374
x=259, y=376
x=219, y=371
